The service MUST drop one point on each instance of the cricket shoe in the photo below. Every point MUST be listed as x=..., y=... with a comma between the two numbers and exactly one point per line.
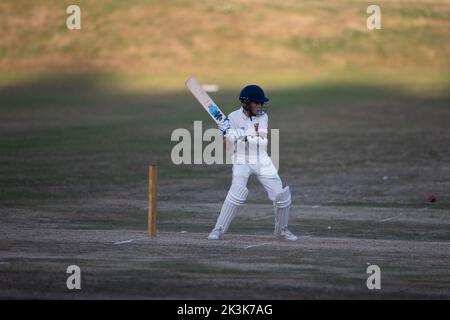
x=216, y=234
x=285, y=234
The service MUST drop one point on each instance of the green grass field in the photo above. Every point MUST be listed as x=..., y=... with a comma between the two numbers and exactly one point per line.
x=364, y=123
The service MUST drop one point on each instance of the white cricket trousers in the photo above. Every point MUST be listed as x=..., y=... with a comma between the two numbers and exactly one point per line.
x=266, y=173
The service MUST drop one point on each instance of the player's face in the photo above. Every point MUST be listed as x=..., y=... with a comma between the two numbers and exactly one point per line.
x=256, y=107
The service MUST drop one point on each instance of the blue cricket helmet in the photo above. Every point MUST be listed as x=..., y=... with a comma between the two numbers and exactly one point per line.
x=254, y=93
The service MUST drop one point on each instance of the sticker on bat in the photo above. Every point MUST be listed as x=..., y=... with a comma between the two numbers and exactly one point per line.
x=214, y=111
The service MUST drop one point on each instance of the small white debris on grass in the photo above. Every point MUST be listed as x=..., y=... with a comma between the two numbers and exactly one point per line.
x=126, y=241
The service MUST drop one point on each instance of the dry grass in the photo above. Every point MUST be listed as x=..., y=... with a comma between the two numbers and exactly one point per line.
x=173, y=39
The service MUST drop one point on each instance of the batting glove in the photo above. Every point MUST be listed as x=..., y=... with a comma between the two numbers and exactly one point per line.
x=224, y=125
x=257, y=140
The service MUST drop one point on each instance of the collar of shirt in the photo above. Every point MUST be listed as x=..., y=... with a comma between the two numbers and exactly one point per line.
x=243, y=114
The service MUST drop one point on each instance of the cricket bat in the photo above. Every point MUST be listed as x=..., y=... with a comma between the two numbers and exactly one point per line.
x=205, y=100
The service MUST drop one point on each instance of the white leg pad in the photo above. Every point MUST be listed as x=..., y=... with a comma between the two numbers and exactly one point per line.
x=235, y=199
x=282, y=204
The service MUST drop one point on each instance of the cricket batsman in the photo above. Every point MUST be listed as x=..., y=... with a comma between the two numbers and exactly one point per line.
x=245, y=130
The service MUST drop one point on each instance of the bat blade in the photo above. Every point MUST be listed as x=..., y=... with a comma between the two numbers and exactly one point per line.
x=205, y=100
